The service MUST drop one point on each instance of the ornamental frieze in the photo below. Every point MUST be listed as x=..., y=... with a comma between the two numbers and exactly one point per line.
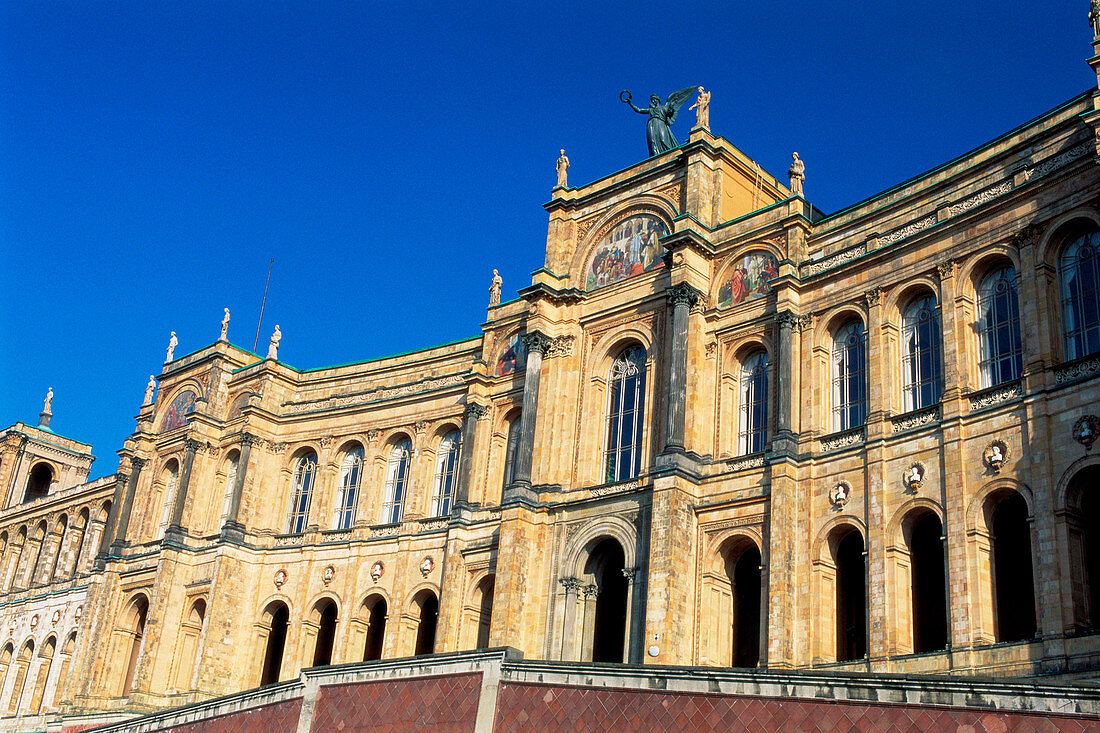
x=383, y=393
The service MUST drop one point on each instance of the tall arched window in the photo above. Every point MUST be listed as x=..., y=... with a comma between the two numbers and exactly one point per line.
x=1080, y=267
x=446, y=473
x=921, y=363
x=38, y=483
x=230, y=479
x=170, y=478
x=351, y=473
x=752, y=433
x=849, y=377
x=623, y=457
x=510, y=449
x=999, y=327
x=397, y=480
x=304, y=472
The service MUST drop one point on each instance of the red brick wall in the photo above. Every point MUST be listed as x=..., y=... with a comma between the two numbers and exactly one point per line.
x=545, y=708
x=424, y=704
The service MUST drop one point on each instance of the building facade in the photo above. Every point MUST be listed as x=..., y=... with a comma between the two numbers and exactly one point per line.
x=719, y=429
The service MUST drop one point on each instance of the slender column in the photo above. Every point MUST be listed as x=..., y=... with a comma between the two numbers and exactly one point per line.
x=785, y=374
x=536, y=344
x=474, y=412
x=231, y=523
x=114, y=535
x=681, y=297
x=174, y=524
x=570, y=644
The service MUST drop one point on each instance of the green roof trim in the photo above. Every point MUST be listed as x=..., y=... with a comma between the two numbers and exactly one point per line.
x=391, y=356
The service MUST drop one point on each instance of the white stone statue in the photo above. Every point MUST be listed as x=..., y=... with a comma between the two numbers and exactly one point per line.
x=913, y=477
x=1094, y=17
x=494, y=289
x=149, y=390
x=225, y=326
x=996, y=458
x=797, y=173
x=172, y=341
x=702, y=109
x=49, y=401
x=562, y=166
x=273, y=347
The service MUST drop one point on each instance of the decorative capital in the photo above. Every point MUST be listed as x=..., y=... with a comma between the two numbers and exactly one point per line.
x=570, y=584
x=136, y=463
x=590, y=591
x=475, y=411
x=787, y=319
x=872, y=297
x=420, y=426
x=191, y=446
x=327, y=441
x=248, y=440
x=682, y=294
x=536, y=341
x=1027, y=236
x=373, y=435
x=945, y=269
x=561, y=346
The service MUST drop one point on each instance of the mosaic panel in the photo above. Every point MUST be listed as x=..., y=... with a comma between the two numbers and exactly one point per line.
x=748, y=279
x=177, y=413
x=513, y=358
x=629, y=249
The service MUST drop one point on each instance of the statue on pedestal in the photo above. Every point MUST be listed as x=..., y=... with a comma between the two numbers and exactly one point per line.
x=1094, y=17
x=225, y=326
x=661, y=116
x=494, y=289
x=702, y=109
x=797, y=173
x=149, y=390
x=562, y=166
x=49, y=401
x=273, y=347
x=172, y=341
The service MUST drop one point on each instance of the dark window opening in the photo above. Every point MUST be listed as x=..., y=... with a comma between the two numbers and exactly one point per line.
x=141, y=608
x=746, y=611
x=276, y=640
x=326, y=635
x=606, y=563
x=376, y=631
x=929, y=590
x=425, y=632
x=1015, y=591
x=485, y=613
x=851, y=600
x=1090, y=523
x=38, y=483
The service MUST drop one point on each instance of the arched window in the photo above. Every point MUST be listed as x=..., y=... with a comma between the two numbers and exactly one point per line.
x=132, y=633
x=427, y=607
x=924, y=537
x=22, y=668
x=1080, y=267
x=484, y=604
x=623, y=457
x=230, y=479
x=510, y=449
x=305, y=470
x=849, y=377
x=45, y=662
x=376, y=627
x=397, y=479
x=752, y=434
x=999, y=327
x=273, y=636
x=921, y=362
x=38, y=483
x=169, y=478
x=610, y=613
x=351, y=473
x=325, y=614
x=851, y=597
x=190, y=633
x=446, y=473
x=1013, y=585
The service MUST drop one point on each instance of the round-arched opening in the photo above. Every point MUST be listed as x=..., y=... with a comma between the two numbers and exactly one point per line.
x=1014, y=589
x=743, y=570
x=926, y=558
x=485, y=591
x=429, y=616
x=38, y=482
x=277, y=617
x=326, y=633
x=135, y=626
x=1084, y=520
x=606, y=563
x=851, y=597
x=376, y=628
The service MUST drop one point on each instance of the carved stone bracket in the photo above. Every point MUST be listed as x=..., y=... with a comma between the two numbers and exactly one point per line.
x=872, y=297
x=561, y=346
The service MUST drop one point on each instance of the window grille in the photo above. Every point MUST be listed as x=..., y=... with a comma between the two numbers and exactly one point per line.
x=921, y=360
x=849, y=377
x=1081, y=296
x=999, y=327
x=305, y=470
x=623, y=456
x=446, y=473
x=397, y=478
x=753, y=429
x=351, y=473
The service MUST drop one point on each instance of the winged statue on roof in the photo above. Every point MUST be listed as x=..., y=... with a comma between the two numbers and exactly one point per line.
x=658, y=130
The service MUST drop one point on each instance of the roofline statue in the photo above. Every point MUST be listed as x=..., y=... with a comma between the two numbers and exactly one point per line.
x=658, y=130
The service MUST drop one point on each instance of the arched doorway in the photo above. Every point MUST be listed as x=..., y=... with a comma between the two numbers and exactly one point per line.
x=22, y=668
x=427, y=606
x=38, y=482
x=376, y=627
x=924, y=537
x=1083, y=534
x=484, y=599
x=133, y=632
x=273, y=627
x=605, y=566
x=325, y=614
x=851, y=596
x=743, y=570
x=1013, y=583
x=188, y=647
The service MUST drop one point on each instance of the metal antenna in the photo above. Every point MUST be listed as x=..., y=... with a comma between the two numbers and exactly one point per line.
x=256, y=343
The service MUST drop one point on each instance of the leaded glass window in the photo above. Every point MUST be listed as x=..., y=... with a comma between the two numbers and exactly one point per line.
x=1081, y=296
x=305, y=471
x=999, y=327
x=510, y=449
x=849, y=377
x=626, y=408
x=351, y=473
x=397, y=480
x=752, y=433
x=446, y=473
x=921, y=363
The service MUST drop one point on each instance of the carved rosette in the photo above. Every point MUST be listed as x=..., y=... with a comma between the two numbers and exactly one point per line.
x=1086, y=429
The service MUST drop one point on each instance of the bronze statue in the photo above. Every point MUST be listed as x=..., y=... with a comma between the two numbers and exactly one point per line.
x=661, y=116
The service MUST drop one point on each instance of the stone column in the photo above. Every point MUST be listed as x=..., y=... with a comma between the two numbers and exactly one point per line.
x=232, y=526
x=474, y=412
x=570, y=643
x=536, y=344
x=681, y=297
x=115, y=534
x=785, y=376
x=175, y=523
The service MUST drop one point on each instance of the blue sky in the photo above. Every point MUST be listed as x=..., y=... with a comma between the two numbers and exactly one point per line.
x=155, y=156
